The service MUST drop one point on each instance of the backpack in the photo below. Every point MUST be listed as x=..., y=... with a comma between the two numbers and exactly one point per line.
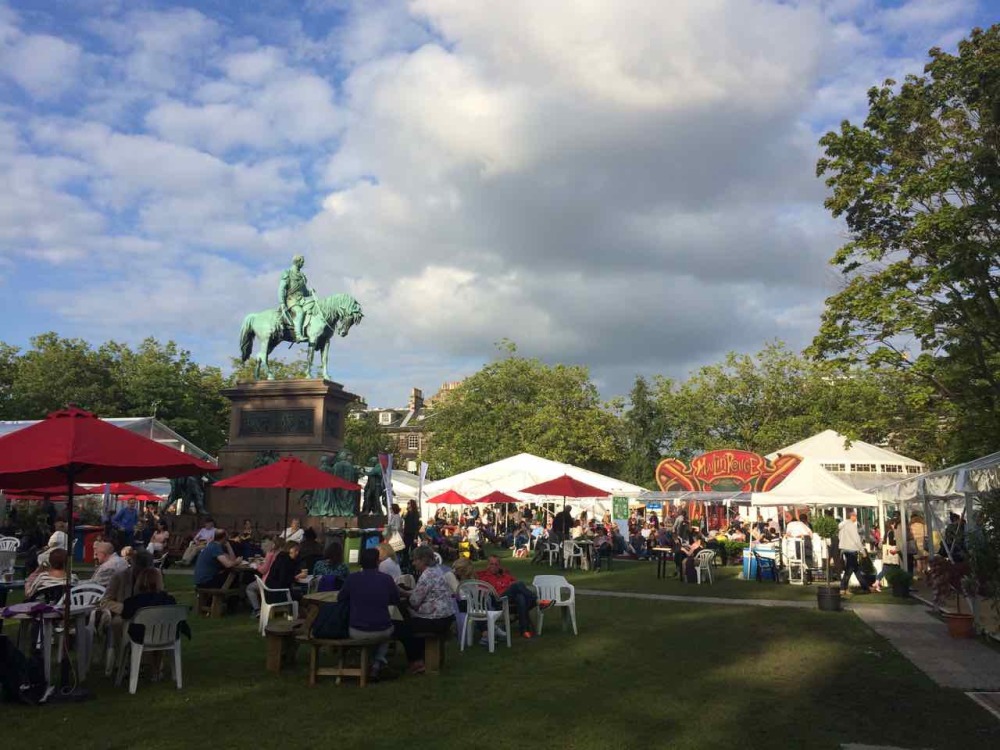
x=332, y=621
x=22, y=678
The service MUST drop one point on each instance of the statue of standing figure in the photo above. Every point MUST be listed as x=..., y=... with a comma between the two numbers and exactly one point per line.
x=374, y=489
x=348, y=502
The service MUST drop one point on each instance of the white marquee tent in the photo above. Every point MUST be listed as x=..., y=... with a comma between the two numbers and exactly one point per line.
x=859, y=464
x=511, y=475
x=810, y=484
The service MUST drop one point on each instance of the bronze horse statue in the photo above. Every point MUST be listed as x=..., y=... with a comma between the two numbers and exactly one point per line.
x=334, y=314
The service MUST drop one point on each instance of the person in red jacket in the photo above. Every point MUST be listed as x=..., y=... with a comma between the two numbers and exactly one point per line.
x=506, y=585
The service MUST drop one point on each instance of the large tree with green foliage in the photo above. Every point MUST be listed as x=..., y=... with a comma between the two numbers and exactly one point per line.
x=115, y=380
x=516, y=405
x=776, y=397
x=645, y=432
x=363, y=437
x=918, y=184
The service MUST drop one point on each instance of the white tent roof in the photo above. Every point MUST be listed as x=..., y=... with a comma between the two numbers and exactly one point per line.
x=979, y=475
x=511, y=475
x=811, y=484
x=827, y=447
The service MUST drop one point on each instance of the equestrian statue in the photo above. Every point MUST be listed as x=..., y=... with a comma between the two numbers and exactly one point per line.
x=302, y=317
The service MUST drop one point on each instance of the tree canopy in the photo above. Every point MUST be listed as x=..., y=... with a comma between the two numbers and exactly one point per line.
x=918, y=184
x=115, y=380
x=517, y=405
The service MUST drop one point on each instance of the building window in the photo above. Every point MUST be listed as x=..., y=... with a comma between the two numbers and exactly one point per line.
x=385, y=417
x=413, y=442
x=892, y=469
x=834, y=467
x=914, y=469
x=863, y=468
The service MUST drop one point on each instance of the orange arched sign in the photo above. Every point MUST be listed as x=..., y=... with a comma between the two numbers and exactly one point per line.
x=725, y=470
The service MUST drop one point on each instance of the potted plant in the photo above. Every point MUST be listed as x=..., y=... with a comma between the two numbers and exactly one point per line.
x=983, y=549
x=900, y=580
x=949, y=578
x=827, y=596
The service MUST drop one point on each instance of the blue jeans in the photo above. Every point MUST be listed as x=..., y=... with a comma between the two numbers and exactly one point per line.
x=519, y=594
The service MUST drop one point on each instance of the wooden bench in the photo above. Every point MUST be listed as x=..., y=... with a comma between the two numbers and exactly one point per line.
x=212, y=602
x=341, y=645
x=282, y=644
x=434, y=647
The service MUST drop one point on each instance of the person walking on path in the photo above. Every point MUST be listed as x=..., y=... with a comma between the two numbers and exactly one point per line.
x=851, y=548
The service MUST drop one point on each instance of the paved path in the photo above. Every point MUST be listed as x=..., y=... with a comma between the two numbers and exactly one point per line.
x=701, y=599
x=960, y=663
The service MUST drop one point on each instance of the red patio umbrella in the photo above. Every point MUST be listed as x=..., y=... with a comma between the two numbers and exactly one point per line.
x=289, y=473
x=566, y=486
x=72, y=445
x=451, y=498
x=499, y=497
x=124, y=489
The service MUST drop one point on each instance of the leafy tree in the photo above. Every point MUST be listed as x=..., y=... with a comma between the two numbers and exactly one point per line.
x=520, y=405
x=363, y=437
x=919, y=187
x=765, y=401
x=116, y=381
x=644, y=433
x=55, y=371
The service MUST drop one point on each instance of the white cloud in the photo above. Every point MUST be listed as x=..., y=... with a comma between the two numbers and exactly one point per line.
x=628, y=185
x=45, y=66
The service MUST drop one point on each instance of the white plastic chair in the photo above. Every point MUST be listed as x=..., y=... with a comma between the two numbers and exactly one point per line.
x=555, y=588
x=8, y=553
x=553, y=551
x=285, y=602
x=82, y=595
x=480, y=597
x=572, y=554
x=160, y=635
x=460, y=618
x=704, y=560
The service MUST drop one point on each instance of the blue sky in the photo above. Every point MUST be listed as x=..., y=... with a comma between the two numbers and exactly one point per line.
x=628, y=185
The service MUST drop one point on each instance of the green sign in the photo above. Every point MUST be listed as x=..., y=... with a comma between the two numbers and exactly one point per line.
x=619, y=508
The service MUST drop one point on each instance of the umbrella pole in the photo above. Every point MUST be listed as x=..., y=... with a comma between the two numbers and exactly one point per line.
x=285, y=527
x=64, y=652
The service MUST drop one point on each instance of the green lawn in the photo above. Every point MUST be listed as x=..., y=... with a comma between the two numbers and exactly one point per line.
x=640, y=577
x=641, y=673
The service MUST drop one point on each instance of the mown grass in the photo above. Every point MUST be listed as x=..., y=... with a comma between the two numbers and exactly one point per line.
x=640, y=674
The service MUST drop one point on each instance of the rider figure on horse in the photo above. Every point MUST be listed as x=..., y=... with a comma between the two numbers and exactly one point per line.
x=295, y=296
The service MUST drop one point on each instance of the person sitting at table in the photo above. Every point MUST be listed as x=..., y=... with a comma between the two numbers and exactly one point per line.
x=637, y=545
x=284, y=572
x=310, y=550
x=108, y=562
x=690, y=552
x=242, y=541
x=48, y=583
x=331, y=568
x=253, y=588
x=204, y=537
x=387, y=562
x=430, y=605
x=602, y=547
x=214, y=563
x=294, y=532
x=517, y=592
x=369, y=594
x=159, y=539
x=58, y=540
x=148, y=592
x=474, y=537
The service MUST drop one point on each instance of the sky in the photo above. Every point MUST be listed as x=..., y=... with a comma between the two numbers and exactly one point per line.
x=624, y=184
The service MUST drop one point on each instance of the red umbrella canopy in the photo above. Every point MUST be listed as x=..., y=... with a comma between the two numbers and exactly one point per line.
x=497, y=497
x=451, y=498
x=74, y=440
x=47, y=493
x=134, y=492
x=289, y=473
x=566, y=486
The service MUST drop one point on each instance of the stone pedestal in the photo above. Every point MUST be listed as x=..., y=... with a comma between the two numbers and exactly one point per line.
x=301, y=418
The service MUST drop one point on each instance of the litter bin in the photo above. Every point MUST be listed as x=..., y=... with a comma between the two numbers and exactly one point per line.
x=84, y=538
